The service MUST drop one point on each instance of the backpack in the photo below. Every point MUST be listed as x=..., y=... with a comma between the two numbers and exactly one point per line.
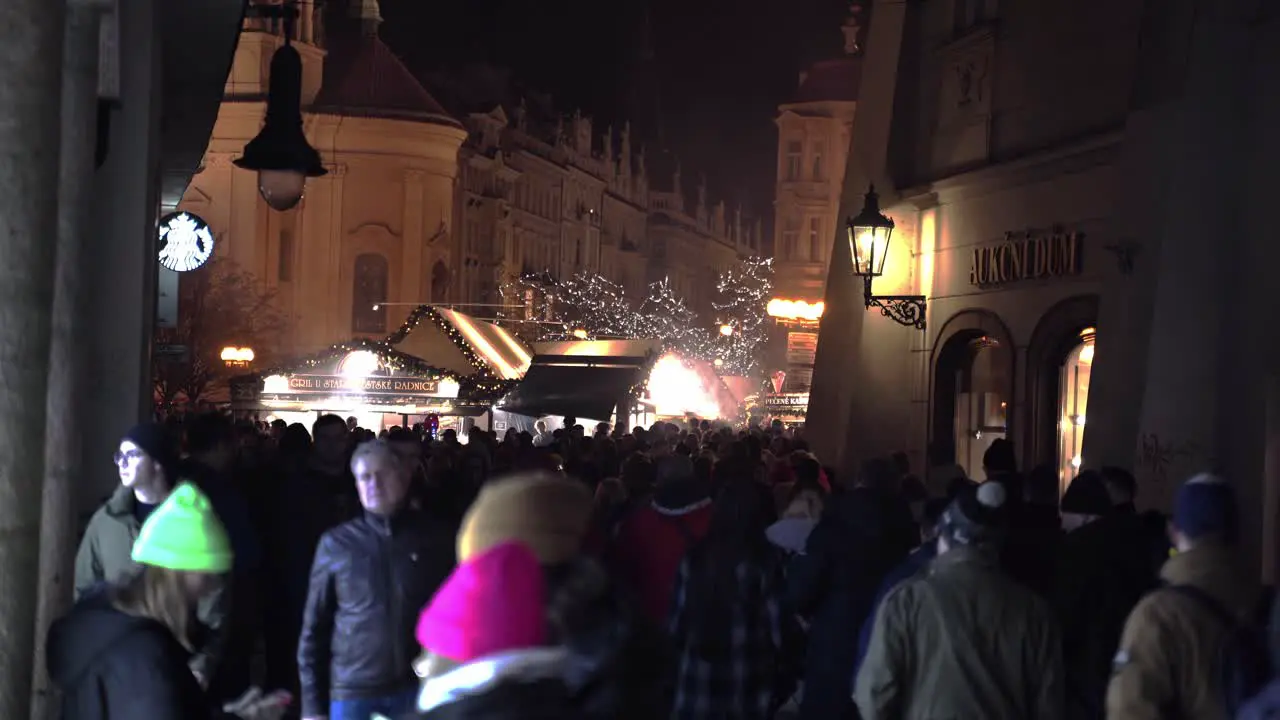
x=1244, y=660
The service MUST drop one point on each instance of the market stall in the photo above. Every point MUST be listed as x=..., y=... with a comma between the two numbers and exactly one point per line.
x=439, y=362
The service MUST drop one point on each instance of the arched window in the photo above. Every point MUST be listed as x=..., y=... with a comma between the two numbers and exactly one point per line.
x=369, y=294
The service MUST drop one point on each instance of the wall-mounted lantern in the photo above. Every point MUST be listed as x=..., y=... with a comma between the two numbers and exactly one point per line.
x=280, y=153
x=869, y=235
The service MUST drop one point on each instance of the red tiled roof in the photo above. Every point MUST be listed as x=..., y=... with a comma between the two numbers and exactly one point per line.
x=828, y=80
x=369, y=80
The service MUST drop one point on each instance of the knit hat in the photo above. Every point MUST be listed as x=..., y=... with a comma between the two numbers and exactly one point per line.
x=548, y=513
x=492, y=603
x=184, y=533
x=159, y=444
x=1086, y=495
x=977, y=515
x=1206, y=505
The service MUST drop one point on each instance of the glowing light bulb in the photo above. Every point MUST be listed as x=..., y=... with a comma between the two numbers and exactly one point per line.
x=282, y=189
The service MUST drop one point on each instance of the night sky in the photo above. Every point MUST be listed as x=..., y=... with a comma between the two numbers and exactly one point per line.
x=718, y=73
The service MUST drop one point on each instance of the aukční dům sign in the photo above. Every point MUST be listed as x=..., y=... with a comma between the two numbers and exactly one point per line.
x=1026, y=255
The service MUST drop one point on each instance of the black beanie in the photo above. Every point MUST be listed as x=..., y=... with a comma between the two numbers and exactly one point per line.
x=160, y=444
x=977, y=515
x=1086, y=495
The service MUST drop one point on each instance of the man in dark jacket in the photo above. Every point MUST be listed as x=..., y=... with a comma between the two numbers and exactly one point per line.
x=861, y=537
x=1103, y=570
x=370, y=579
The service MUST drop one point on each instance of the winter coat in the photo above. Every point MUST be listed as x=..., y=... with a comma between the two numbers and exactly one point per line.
x=113, y=666
x=962, y=641
x=370, y=580
x=862, y=535
x=734, y=675
x=1169, y=652
x=105, y=556
x=1103, y=571
x=645, y=555
x=913, y=565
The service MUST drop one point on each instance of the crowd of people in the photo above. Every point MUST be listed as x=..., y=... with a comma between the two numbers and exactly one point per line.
x=689, y=571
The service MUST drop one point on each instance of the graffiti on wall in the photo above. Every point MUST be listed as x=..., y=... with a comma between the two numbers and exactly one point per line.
x=1159, y=458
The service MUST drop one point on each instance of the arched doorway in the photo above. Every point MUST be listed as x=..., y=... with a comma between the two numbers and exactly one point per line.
x=1073, y=401
x=972, y=394
x=1060, y=361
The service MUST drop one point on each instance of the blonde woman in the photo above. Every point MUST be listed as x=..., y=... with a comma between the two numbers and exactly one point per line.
x=122, y=653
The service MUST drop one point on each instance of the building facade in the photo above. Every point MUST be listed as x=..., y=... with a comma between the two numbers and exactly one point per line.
x=1085, y=221
x=546, y=194
x=424, y=206
x=813, y=143
x=377, y=229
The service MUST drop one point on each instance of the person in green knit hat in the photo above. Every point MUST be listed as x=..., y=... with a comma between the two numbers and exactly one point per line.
x=122, y=652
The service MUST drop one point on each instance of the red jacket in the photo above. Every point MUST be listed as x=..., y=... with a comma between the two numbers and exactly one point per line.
x=647, y=552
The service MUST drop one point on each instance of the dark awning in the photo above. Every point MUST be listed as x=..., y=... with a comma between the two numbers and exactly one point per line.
x=561, y=386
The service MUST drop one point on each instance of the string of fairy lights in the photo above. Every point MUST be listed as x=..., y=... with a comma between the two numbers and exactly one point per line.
x=591, y=305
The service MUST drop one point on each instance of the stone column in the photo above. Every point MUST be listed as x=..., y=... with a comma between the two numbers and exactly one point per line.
x=30, y=81
x=119, y=260
x=67, y=360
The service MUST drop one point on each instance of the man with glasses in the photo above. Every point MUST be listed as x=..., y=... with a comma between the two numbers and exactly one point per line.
x=147, y=461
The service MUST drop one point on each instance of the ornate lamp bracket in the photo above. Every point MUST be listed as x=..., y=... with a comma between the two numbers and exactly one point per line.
x=907, y=310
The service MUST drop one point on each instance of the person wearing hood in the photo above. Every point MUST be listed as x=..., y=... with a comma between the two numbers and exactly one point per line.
x=121, y=652
x=652, y=540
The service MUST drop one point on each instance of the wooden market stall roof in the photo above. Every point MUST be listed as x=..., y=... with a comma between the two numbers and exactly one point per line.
x=462, y=344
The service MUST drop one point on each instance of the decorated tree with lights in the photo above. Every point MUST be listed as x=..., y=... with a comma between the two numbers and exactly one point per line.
x=220, y=305
x=742, y=294
x=665, y=315
x=586, y=302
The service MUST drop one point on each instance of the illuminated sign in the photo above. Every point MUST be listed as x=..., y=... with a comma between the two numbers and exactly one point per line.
x=787, y=402
x=1026, y=256
x=798, y=310
x=329, y=384
x=186, y=242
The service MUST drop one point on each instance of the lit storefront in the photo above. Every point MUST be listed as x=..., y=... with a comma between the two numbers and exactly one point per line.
x=998, y=340
x=440, y=362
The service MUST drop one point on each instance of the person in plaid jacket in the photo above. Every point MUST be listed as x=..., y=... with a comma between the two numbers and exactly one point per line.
x=726, y=614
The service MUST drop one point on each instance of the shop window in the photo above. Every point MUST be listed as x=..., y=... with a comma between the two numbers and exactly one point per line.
x=369, y=294
x=1073, y=401
x=981, y=402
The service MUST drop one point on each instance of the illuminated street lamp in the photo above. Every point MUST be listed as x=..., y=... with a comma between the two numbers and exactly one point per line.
x=280, y=153
x=237, y=357
x=726, y=330
x=580, y=334
x=869, y=235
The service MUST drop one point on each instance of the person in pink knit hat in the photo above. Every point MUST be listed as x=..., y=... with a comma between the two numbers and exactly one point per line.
x=484, y=641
